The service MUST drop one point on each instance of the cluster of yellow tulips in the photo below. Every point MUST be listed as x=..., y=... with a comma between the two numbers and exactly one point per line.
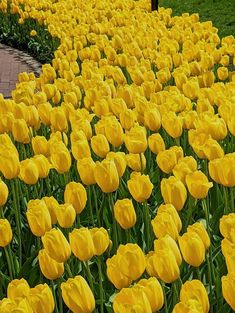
x=117, y=164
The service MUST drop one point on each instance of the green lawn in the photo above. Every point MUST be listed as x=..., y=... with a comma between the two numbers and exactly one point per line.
x=220, y=12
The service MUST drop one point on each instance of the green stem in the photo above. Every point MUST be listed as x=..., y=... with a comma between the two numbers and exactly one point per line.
x=60, y=297
x=101, y=285
x=141, y=164
x=89, y=275
x=17, y=217
x=177, y=141
x=9, y=263
x=128, y=235
x=165, y=298
x=54, y=295
x=232, y=198
x=70, y=274
x=90, y=205
x=190, y=211
x=115, y=234
x=198, y=273
x=175, y=293
x=226, y=200
x=96, y=206
x=147, y=223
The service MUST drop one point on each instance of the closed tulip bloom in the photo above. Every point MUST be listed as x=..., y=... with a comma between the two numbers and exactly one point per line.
x=124, y=213
x=3, y=193
x=18, y=288
x=49, y=267
x=58, y=119
x=184, y=167
x=40, y=145
x=75, y=194
x=41, y=299
x=100, y=145
x=195, y=290
x=9, y=163
x=213, y=150
x=7, y=304
x=100, y=239
x=29, y=172
x=156, y=143
x=228, y=289
x=152, y=119
x=167, y=242
x=20, y=306
x=56, y=245
x=5, y=233
x=114, y=132
x=60, y=158
x=42, y=164
x=191, y=305
x=66, y=215
x=86, y=169
x=228, y=250
x=81, y=149
x=119, y=159
x=140, y=186
x=77, y=295
x=153, y=291
x=222, y=170
x=131, y=300
x=117, y=278
x=166, y=265
x=106, y=175
x=163, y=224
x=52, y=205
x=137, y=162
x=38, y=217
x=127, y=119
x=172, y=124
x=150, y=264
x=227, y=226
x=199, y=229
x=166, y=160
x=20, y=131
x=191, y=89
x=198, y=184
x=174, y=192
x=136, y=140
x=170, y=209
x=222, y=73
x=192, y=248
x=82, y=244
x=132, y=262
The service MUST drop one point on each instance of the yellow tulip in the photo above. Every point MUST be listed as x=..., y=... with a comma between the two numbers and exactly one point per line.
x=124, y=213
x=49, y=267
x=156, y=143
x=198, y=184
x=41, y=299
x=75, y=194
x=86, y=169
x=66, y=215
x=135, y=139
x=81, y=244
x=100, y=239
x=228, y=289
x=139, y=186
x=106, y=175
x=3, y=193
x=100, y=145
x=173, y=192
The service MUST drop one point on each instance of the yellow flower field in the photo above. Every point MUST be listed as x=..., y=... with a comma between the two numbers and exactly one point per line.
x=118, y=164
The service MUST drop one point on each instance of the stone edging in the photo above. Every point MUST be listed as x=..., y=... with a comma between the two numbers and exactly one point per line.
x=33, y=65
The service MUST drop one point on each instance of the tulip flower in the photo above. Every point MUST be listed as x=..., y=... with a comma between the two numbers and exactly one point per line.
x=41, y=299
x=140, y=186
x=49, y=267
x=76, y=195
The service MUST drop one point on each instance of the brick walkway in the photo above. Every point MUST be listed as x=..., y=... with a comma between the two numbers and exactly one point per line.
x=13, y=62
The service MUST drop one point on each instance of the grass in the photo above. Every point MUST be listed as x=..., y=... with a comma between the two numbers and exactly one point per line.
x=220, y=12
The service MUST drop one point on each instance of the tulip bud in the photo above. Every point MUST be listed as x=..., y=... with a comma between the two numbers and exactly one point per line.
x=40, y=145
x=18, y=288
x=76, y=195
x=173, y=192
x=86, y=169
x=227, y=226
x=124, y=213
x=77, y=295
x=152, y=119
x=191, y=305
x=137, y=162
x=81, y=149
x=153, y=291
x=132, y=262
x=199, y=229
x=38, y=217
x=222, y=73
x=164, y=224
x=41, y=299
x=140, y=186
x=127, y=119
x=82, y=244
x=49, y=267
x=156, y=143
x=54, y=239
x=9, y=163
x=131, y=300
x=66, y=215
x=100, y=239
x=58, y=119
x=167, y=242
x=166, y=265
x=172, y=124
x=106, y=175
x=119, y=159
x=114, y=132
x=135, y=139
x=3, y=193
x=60, y=158
x=194, y=289
x=42, y=164
x=52, y=205
x=100, y=145
x=228, y=289
x=184, y=167
x=20, y=131
x=29, y=172
x=5, y=233
x=118, y=279
x=198, y=185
